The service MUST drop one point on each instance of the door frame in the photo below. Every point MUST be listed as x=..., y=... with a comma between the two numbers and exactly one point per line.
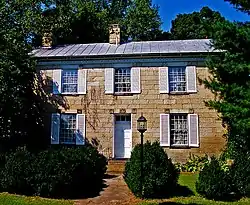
x=113, y=141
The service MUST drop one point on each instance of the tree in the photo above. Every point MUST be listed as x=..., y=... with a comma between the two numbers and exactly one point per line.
x=89, y=24
x=20, y=103
x=242, y=5
x=197, y=25
x=142, y=21
x=231, y=83
x=88, y=21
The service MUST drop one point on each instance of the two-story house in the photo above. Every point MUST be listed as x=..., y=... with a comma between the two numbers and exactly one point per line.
x=108, y=85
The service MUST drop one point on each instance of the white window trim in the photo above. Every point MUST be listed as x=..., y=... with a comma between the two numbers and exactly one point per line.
x=84, y=134
x=62, y=83
x=189, y=130
x=188, y=142
x=195, y=76
x=189, y=145
x=114, y=83
x=162, y=144
x=68, y=113
x=59, y=130
x=169, y=87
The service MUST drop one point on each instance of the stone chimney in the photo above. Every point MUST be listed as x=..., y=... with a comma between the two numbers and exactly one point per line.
x=114, y=34
x=47, y=40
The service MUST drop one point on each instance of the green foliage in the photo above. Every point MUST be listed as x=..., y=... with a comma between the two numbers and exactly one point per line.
x=195, y=163
x=63, y=173
x=242, y=5
x=241, y=175
x=230, y=83
x=159, y=174
x=197, y=25
x=20, y=103
x=143, y=21
x=213, y=182
x=78, y=21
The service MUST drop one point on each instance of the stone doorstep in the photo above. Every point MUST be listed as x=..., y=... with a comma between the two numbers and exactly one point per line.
x=116, y=166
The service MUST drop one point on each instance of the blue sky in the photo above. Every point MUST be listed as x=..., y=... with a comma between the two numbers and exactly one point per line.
x=170, y=8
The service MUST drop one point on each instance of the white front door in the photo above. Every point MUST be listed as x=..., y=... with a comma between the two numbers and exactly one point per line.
x=123, y=136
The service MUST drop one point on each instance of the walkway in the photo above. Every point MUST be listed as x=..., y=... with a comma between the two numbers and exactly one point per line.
x=115, y=193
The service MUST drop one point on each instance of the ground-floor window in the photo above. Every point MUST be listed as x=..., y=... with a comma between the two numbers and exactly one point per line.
x=178, y=129
x=67, y=129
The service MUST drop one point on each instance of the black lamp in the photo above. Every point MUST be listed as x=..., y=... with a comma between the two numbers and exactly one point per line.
x=142, y=127
x=142, y=124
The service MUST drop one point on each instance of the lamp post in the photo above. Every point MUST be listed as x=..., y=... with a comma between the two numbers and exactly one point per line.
x=141, y=127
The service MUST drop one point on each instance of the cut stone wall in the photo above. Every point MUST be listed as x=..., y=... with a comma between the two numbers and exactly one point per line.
x=99, y=107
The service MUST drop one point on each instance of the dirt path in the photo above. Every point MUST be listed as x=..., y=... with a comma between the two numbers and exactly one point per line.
x=116, y=192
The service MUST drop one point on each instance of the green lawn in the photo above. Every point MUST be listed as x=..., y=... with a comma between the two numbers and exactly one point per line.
x=10, y=199
x=188, y=195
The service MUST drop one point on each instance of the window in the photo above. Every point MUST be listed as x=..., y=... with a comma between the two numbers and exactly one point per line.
x=123, y=118
x=123, y=80
x=178, y=129
x=177, y=79
x=67, y=129
x=69, y=81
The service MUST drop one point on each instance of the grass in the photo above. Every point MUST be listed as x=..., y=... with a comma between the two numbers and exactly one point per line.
x=188, y=195
x=11, y=199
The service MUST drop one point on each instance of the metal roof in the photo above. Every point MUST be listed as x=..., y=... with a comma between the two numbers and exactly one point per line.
x=131, y=48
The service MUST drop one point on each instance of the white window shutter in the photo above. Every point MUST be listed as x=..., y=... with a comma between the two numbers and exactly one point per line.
x=163, y=80
x=80, y=131
x=82, y=81
x=193, y=130
x=109, y=80
x=57, y=77
x=191, y=79
x=164, y=130
x=135, y=80
x=55, y=128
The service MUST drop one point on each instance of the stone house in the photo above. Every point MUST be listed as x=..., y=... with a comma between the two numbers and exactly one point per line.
x=108, y=85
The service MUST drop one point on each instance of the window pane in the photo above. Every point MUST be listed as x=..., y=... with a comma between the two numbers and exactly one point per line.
x=69, y=81
x=177, y=79
x=178, y=129
x=68, y=128
x=122, y=80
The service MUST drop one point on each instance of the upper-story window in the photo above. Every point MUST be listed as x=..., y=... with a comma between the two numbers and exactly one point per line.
x=69, y=81
x=122, y=80
x=177, y=79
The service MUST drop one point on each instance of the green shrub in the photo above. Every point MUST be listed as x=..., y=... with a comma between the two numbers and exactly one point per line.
x=195, y=163
x=159, y=174
x=241, y=175
x=213, y=182
x=63, y=173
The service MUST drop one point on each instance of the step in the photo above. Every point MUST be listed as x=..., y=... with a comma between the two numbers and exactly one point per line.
x=116, y=166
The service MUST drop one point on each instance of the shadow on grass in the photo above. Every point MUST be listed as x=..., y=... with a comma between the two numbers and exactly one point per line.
x=182, y=191
x=179, y=191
